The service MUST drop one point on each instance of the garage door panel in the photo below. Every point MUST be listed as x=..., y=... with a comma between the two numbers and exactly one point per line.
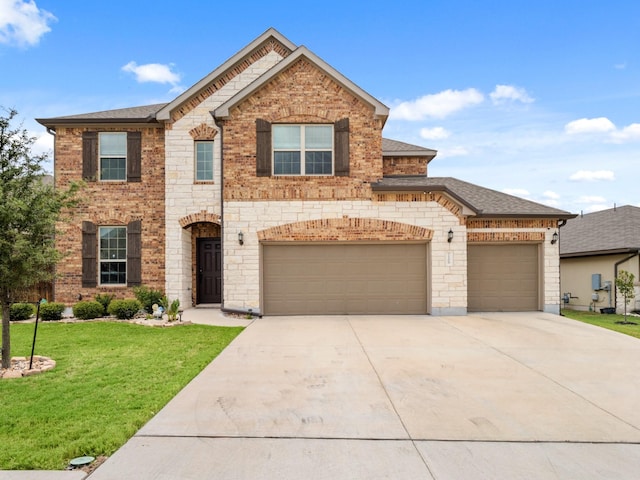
x=503, y=277
x=344, y=279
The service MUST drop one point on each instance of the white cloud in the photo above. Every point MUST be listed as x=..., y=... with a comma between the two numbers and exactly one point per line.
x=509, y=93
x=22, y=23
x=551, y=195
x=438, y=105
x=453, y=152
x=435, y=133
x=589, y=125
x=592, y=175
x=628, y=133
x=591, y=199
x=153, y=72
x=519, y=192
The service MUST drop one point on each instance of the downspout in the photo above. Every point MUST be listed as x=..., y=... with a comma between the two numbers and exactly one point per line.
x=52, y=132
x=561, y=223
x=220, y=124
x=615, y=275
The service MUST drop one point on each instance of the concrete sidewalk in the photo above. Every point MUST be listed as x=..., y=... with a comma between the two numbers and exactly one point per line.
x=492, y=396
x=513, y=396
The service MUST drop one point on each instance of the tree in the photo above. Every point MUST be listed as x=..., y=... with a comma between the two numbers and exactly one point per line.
x=29, y=211
x=624, y=284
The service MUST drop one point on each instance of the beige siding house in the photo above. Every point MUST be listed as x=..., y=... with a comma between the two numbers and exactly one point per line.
x=594, y=248
x=268, y=187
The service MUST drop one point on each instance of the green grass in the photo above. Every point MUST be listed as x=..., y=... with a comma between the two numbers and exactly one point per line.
x=110, y=379
x=606, y=321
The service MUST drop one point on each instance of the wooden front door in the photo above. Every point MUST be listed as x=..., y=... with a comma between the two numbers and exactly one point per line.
x=209, y=270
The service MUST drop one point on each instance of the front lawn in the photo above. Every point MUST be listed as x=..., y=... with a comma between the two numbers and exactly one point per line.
x=606, y=321
x=110, y=379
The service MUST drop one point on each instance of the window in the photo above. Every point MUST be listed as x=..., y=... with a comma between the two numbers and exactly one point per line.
x=113, y=255
x=113, y=156
x=302, y=149
x=204, y=161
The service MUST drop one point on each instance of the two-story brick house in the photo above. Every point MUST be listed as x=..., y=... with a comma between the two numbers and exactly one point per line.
x=267, y=186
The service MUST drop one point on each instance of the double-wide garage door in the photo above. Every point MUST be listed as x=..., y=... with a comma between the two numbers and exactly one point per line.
x=332, y=279
x=503, y=278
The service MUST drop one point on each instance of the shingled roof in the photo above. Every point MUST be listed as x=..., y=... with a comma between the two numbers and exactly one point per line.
x=616, y=230
x=143, y=114
x=484, y=202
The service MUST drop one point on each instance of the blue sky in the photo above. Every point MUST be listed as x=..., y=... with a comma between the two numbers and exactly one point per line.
x=538, y=99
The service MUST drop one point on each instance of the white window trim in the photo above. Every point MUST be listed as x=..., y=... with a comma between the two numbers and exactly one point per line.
x=195, y=161
x=111, y=156
x=303, y=150
x=101, y=261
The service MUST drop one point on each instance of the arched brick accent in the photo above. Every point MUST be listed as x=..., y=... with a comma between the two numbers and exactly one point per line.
x=113, y=217
x=437, y=197
x=344, y=230
x=203, y=132
x=201, y=216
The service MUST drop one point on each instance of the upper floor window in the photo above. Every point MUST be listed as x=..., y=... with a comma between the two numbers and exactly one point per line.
x=303, y=149
x=204, y=161
x=113, y=156
x=113, y=255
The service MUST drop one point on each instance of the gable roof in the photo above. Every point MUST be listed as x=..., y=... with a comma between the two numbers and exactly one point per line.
x=615, y=230
x=223, y=110
x=394, y=148
x=143, y=114
x=269, y=35
x=483, y=202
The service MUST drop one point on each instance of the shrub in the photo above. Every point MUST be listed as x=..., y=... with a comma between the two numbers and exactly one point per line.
x=21, y=311
x=88, y=310
x=105, y=300
x=148, y=297
x=124, y=309
x=51, y=311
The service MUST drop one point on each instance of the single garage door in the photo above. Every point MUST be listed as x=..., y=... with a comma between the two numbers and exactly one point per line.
x=503, y=278
x=316, y=279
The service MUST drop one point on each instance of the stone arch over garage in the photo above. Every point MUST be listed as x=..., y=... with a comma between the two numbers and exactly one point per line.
x=346, y=229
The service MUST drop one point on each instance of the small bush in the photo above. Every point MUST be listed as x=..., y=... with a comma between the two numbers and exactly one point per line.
x=124, y=309
x=148, y=297
x=105, y=300
x=51, y=311
x=88, y=310
x=21, y=311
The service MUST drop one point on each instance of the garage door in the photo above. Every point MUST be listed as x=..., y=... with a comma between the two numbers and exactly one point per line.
x=503, y=278
x=312, y=279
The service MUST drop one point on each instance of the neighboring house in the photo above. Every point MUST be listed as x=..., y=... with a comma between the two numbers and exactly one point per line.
x=267, y=186
x=593, y=249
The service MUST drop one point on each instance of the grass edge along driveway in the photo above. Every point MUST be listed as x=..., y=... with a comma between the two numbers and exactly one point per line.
x=609, y=321
x=110, y=379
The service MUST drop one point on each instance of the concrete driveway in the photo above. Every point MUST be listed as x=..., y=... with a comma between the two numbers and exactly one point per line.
x=488, y=396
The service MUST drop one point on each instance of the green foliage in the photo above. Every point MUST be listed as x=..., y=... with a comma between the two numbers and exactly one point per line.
x=105, y=300
x=148, y=297
x=124, y=309
x=51, y=311
x=108, y=382
x=29, y=212
x=171, y=309
x=87, y=310
x=624, y=283
x=613, y=322
x=22, y=311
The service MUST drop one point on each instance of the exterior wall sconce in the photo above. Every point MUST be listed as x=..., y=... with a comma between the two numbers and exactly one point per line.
x=450, y=236
x=241, y=238
x=554, y=238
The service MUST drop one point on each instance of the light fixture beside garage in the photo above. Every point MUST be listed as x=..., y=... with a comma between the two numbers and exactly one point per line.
x=554, y=238
x=241, y=238
x=450, y=236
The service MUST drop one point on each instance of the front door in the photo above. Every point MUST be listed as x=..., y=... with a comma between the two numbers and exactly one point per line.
x=209, y=266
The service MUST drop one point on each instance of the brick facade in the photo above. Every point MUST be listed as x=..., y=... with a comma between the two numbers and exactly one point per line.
x=111, y=204
x=404, y=166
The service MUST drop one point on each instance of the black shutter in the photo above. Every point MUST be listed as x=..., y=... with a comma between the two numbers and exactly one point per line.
x=90, y=156
x=134, y=253
x=341, y=142
x=263, y=148
x=89, y=257
x=134, y=156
